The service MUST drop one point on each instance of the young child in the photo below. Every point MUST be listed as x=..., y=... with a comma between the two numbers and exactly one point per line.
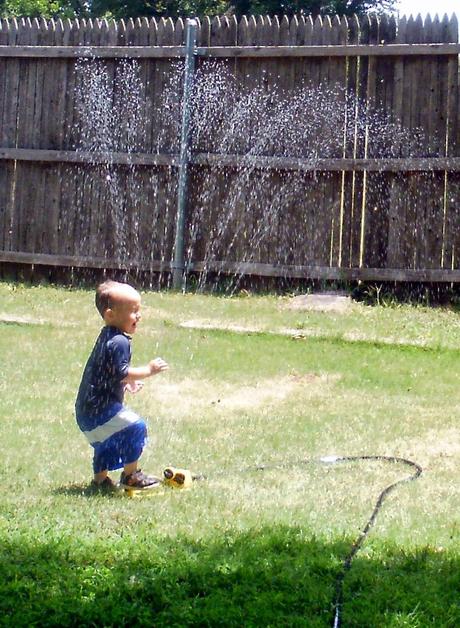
x=116, y=433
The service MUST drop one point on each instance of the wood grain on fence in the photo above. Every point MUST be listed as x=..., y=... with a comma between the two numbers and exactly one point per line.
x=356, y=210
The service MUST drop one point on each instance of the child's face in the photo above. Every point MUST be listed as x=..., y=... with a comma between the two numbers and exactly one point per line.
x=125, y=313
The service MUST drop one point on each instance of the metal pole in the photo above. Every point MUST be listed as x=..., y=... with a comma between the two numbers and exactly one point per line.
x=179, y=260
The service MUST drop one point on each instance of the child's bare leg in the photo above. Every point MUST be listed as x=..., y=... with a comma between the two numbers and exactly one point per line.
x=130, y=467
x=100, y=477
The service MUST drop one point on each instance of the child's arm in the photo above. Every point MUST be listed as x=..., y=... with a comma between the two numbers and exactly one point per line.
x=142, y=372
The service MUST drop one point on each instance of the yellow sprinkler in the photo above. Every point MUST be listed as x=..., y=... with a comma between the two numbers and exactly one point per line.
x=178, y=478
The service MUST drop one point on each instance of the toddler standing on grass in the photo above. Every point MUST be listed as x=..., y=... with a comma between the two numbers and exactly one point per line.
x=117, y=434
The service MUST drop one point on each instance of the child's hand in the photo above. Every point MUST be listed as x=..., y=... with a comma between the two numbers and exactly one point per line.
x=157, y=366
x=134, y=387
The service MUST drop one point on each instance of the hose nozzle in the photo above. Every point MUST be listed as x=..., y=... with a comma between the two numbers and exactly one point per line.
x=329, y=459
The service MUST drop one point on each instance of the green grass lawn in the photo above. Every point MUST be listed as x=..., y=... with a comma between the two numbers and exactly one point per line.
x=251, y=382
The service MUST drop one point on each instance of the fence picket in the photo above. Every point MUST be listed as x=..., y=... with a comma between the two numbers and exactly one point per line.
x=452, y=208
x=350, y=148
x=58, y=83
x=378, y=185
x=452, y=247
x=6, y=168
x=409, y=189
x=338, y=76
x=204, y=31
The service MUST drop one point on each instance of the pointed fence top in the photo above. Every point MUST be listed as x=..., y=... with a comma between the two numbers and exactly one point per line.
x=263, y=30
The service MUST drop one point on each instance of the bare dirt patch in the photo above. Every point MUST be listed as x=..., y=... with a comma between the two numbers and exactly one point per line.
x=246, y=329
x=436, y=445
x=321, y=302
x=16, y=319
x=208, y=325
x=303, y=333
x=190, y=395
x=21, y=320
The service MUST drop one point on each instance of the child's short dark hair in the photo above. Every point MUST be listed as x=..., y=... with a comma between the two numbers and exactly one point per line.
x=103, y=296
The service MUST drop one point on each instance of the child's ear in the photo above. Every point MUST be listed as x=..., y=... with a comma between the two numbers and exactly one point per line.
x=108, y=315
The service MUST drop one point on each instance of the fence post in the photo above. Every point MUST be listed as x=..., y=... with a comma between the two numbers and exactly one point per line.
x=179, y=260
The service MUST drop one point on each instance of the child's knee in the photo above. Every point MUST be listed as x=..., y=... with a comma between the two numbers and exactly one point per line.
x=141, y=427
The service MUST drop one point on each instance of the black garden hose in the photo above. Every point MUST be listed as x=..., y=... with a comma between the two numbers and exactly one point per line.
x=416, y=472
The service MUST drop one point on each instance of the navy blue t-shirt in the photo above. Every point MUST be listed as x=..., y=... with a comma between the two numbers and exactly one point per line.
x=101, y=392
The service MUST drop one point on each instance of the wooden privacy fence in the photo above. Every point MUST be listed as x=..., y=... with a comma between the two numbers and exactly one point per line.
x=355, y=211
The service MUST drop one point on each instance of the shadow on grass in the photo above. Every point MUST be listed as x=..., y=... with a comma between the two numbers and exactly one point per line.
x=265, y=577
x=88, y=490
x=83, y=490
